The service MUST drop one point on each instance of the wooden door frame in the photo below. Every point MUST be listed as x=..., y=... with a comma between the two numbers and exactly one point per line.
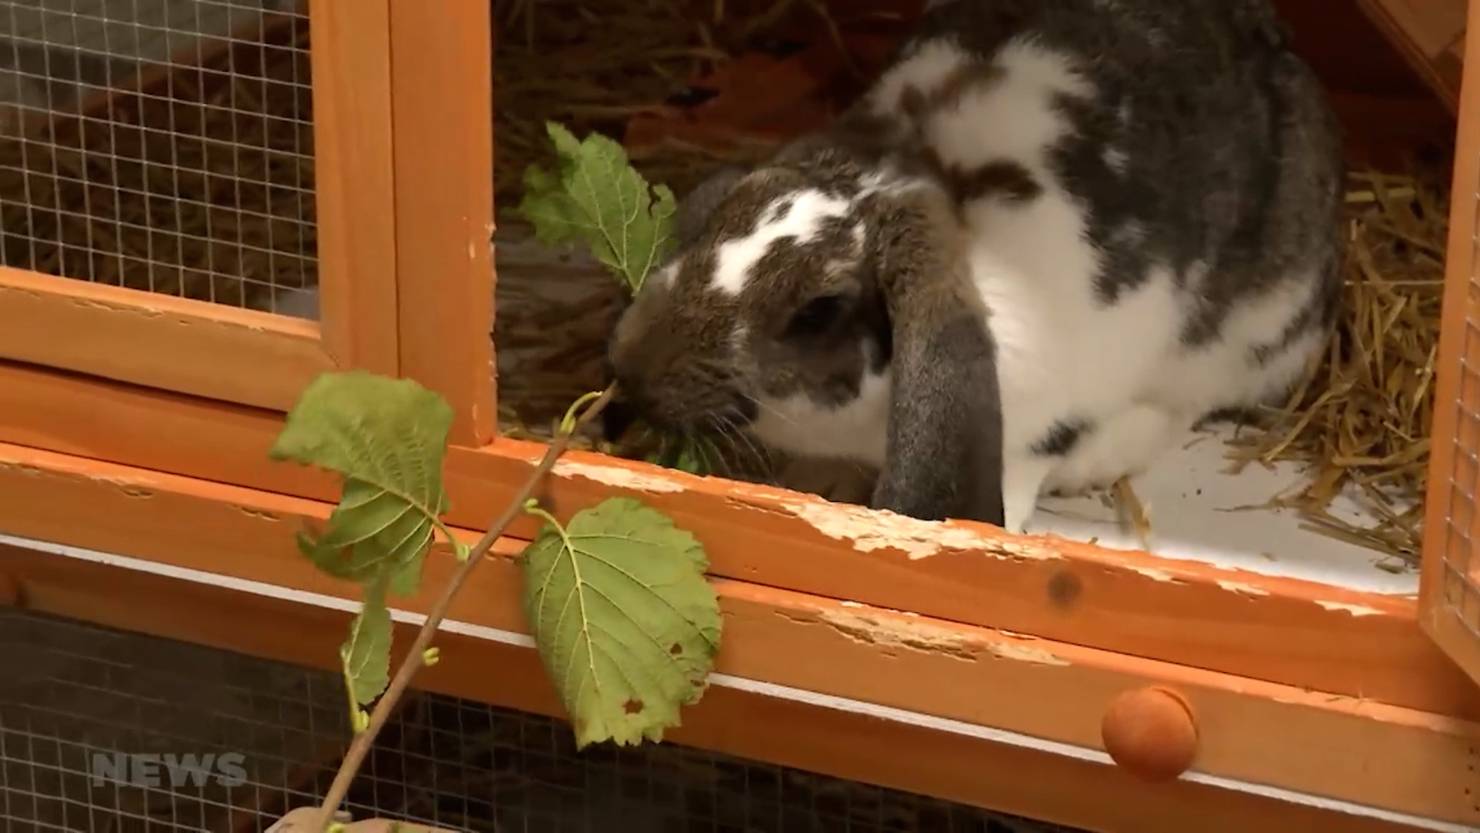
x=1438, y=619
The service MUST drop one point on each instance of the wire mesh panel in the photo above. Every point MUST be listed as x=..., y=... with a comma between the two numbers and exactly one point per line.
x=107, y=731
x=1461, y=577
x=104, y=731
x=160, y=145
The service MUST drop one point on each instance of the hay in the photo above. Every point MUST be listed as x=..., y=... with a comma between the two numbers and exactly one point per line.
x=1135, y=516
x=1359, y=422
x=592, y=65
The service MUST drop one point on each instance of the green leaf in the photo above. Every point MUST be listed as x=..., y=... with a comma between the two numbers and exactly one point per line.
x=691, y=458
x=597, y=198
x=625, y=622
x=387, y=437
x=683, y=453
x=366, y=655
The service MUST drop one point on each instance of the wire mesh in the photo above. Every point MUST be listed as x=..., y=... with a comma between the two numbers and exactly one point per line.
x=93, y=719
x=1461, y=584
x=160, y=145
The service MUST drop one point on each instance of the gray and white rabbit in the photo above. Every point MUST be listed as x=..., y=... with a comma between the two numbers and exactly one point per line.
x=1053, y=235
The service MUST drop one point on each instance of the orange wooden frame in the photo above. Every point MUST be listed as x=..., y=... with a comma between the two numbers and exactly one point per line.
x=1280, y=630
x=1424, y=31
x=164, y=447
x=246, y=356
x=444, y=205
x=1459, y=309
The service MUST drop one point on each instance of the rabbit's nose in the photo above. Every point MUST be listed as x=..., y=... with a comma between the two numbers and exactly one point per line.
x=616, y=418
x=626, y=404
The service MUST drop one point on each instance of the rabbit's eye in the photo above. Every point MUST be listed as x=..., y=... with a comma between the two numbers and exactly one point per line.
x=817, y=316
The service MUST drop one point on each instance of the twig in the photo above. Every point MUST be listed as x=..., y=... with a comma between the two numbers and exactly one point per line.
x=1133, y=514
x=416, y=656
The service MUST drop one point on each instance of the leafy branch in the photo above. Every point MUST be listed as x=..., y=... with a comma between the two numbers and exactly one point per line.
x=624, y=620
x=596, y=198
x=329, y=395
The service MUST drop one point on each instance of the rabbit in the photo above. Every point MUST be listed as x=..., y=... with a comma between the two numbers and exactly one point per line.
x=1050, y=238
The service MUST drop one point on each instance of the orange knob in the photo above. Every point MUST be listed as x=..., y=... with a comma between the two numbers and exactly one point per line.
x=1150, y=733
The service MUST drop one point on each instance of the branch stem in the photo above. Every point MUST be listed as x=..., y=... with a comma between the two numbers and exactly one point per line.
x=416, y=657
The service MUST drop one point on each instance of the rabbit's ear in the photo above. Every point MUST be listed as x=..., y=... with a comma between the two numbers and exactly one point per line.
x=695, y=209
x=944, y=455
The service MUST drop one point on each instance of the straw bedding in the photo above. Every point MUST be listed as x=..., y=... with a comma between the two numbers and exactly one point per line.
x=1359, y=423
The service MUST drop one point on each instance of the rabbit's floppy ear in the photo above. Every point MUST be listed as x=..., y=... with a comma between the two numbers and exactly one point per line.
x=944, y=453
x=696, y=207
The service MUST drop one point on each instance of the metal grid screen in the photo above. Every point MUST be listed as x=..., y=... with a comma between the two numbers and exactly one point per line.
x=1462, y=522
x=93, y=720
x=160, y=145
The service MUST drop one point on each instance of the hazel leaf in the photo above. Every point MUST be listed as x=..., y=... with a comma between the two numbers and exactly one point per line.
x=366, y=655
x=596, y=198
x=387, y=438
x=625, y=622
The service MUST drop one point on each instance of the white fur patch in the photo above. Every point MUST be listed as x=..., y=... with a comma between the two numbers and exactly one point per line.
x=926, y=68
x=1013, y=118
x=801, y=221
x=858, y=430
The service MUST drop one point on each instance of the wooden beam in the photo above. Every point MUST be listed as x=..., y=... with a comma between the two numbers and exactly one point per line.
x=1282, y=630
x=177, y=344
x=354, y=182
x=442, y=82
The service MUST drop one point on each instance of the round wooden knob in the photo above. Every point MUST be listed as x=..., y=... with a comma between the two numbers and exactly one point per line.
x=1150, y=733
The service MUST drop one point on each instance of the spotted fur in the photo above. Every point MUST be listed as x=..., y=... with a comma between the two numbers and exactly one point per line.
x=1052, y=235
